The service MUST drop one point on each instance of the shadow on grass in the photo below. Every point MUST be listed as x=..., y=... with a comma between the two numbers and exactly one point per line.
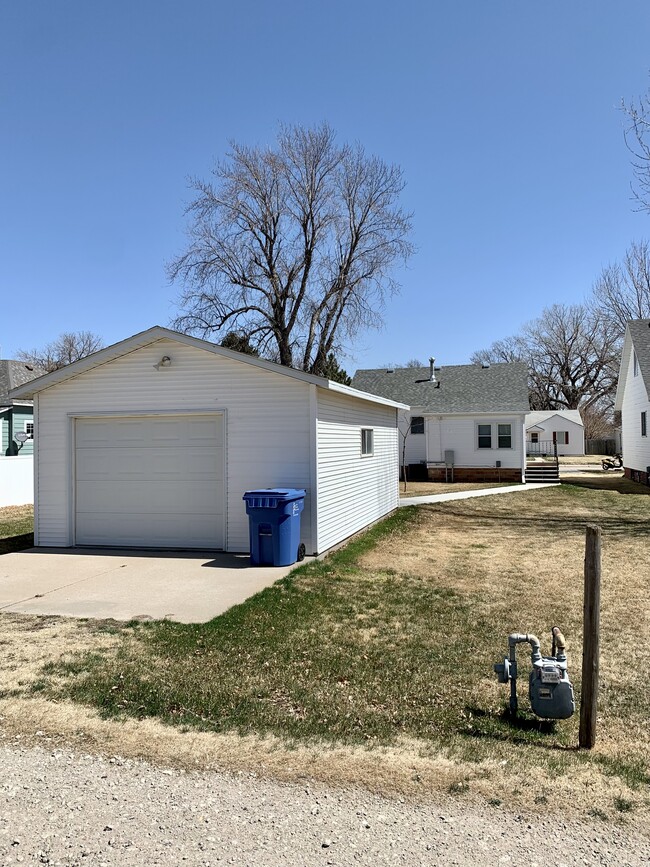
x=551, y=524
x=612, y=483
x=519, y=729
x=16, y=543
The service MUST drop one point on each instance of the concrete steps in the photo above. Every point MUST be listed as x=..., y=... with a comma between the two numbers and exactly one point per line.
x=542, y=472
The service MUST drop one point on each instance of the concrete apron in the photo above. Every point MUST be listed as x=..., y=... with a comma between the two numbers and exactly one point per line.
x=184, y=586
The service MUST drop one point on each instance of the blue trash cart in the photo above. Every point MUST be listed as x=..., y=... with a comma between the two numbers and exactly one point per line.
x=274, y=525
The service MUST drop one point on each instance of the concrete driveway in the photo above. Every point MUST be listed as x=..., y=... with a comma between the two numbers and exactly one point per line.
x=184, y=586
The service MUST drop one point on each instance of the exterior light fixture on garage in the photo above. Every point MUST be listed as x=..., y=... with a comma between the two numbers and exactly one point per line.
x=165, y=361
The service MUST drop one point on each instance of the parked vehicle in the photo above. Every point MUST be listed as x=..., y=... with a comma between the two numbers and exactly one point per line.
x=614, y=463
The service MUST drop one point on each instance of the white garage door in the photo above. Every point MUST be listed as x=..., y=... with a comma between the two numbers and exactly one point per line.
x=150, y=481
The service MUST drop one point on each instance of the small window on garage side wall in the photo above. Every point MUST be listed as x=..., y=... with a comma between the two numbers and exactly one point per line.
x=367, y=444
x=644, y=425
x=417, y=424
x=29, y=429
x=504, y=436
x=484, y=436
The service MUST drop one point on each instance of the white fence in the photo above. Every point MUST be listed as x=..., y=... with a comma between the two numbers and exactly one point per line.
x=16, y=481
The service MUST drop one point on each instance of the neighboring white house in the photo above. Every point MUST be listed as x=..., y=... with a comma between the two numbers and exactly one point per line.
x=153, y=441
x=632, y=400
x=562, y=427
x=468, y=417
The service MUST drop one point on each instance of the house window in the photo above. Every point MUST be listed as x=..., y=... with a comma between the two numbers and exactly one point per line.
x=484, y=436
x=635, y=365
x=561, y=437
x=504, y=436
x=644, y=425
x=534, y=437
x=417, y=424
x=367, y=446
x=29, y=429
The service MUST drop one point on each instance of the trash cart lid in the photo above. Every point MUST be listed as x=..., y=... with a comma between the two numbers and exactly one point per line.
x=282, y=494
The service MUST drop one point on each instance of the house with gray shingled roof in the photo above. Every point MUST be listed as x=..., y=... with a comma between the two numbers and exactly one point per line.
x=632, y=400
x=16, y=416
x=465, y=420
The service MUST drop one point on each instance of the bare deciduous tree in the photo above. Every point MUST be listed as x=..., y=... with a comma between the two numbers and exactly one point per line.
x=68, y=347
x=293, y=246
x=637, y=138
x=572, y=358
x=622, y=292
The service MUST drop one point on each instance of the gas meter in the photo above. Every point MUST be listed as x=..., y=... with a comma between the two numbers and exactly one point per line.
x=549, y=687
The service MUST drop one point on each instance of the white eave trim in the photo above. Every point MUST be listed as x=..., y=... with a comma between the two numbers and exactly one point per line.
x=625, y=366
x=153, y=335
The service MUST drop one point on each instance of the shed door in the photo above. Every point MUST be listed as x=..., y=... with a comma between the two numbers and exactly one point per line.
x=150, y=481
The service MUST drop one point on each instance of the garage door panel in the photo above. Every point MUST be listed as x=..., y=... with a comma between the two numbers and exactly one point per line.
x=150, y=481
x=160, y=497
x=116, y=432
x=142, y=463
x=164, y=531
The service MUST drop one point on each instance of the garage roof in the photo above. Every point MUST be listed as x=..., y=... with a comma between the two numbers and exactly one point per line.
x=152, y=335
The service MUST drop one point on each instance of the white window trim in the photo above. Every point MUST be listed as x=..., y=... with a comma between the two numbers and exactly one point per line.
x=480, y=424
x=494, y=435
x=29, y=422
x=371, y=431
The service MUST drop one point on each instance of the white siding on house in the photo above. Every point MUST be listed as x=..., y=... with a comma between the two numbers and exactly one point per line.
x=416, y=444
x=636, y=449
x=459, y=433
x=555, y=424
x=267, y=419
x=353, y=490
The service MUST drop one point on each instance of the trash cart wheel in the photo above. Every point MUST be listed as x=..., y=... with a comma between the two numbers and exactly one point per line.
x=301, y=551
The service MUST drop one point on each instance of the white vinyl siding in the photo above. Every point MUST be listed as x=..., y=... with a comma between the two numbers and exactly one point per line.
x=459, y=433
x=267, y=433
x=636, y=447
x=416, y=447
x=353, y=491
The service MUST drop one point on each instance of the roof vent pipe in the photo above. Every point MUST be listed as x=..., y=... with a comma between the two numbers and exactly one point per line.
x=432, y=376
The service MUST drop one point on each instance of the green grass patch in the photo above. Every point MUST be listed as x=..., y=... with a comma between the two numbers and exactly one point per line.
x=395, y=635
x=16, y=528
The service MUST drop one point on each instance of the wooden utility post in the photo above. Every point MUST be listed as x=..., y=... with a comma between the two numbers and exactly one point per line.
x=591, y=639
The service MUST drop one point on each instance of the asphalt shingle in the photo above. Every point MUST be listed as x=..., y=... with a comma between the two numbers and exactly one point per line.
x=463, y=388
x=13, y=374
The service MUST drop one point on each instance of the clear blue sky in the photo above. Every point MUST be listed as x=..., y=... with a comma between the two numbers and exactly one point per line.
x=502, y=113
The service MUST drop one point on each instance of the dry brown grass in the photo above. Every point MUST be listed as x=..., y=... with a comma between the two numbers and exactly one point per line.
x=577, y=460
x=410, y=768
x=424, y=489
x=522, y=555
x=16, y=513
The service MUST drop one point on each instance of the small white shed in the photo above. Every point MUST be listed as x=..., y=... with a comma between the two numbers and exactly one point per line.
x=152, y=442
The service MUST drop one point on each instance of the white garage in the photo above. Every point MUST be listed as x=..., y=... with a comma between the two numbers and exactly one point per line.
x=153, y=441
x=150, y=481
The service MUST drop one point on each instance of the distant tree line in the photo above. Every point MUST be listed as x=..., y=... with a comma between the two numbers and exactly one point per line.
x=573, y=351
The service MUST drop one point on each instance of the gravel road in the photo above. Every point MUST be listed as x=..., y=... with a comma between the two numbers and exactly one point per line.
x=62, y=808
